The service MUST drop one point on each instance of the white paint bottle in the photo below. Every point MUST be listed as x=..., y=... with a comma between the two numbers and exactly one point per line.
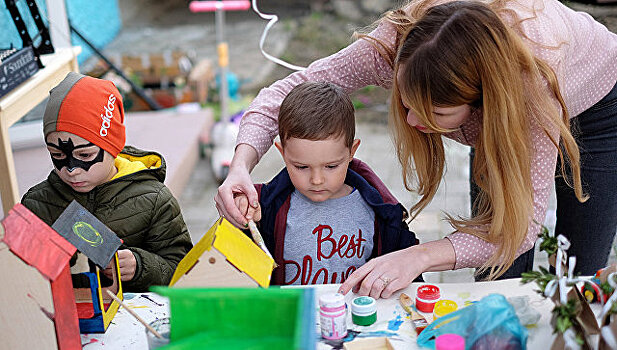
x=333, y=316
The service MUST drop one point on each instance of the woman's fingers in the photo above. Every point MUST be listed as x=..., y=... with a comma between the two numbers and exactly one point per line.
x=226, y=207
x=238, y=181
x=383, y=276
x=356, y=278
x=393, y=286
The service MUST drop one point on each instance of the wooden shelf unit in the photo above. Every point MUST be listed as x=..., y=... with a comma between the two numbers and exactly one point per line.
x=15, y=104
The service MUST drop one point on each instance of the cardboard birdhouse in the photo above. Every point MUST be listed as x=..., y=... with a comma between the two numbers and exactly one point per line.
x=224, y=257
x=37, y=301
x=98, y=244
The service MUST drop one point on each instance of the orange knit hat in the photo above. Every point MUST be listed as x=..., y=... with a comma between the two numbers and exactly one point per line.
x=88, y=107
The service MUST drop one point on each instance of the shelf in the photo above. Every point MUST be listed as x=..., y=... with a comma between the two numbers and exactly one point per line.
x=15, y=104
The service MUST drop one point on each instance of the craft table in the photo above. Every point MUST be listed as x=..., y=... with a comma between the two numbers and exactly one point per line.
x=18, y=102
x=392, y=321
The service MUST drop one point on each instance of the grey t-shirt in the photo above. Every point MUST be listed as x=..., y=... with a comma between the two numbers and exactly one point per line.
x=326, y=241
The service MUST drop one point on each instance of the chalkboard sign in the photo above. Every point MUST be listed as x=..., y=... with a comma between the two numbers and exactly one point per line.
x=89, y=235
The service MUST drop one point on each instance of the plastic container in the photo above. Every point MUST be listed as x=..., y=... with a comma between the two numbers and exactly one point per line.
x=426, y=297
x=333, y=316
x=450, y=341
x=364, y=311
x=241, y=318
x=163, y=327
x=444, y=307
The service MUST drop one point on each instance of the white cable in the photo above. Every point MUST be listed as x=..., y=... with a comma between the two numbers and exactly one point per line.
x=271, y=20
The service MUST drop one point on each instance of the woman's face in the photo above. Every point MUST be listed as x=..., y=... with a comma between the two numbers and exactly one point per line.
x=445, y=117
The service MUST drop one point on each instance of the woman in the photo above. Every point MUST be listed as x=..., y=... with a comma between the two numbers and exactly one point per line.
x=504, y=77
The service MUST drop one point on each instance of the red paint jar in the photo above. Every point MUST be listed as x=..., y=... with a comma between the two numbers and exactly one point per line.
x=426, y=297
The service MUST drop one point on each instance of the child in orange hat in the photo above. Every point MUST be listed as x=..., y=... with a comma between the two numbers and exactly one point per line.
x=122, y=186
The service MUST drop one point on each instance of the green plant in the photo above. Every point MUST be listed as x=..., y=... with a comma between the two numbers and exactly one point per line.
x=542, y=278
x=549, y=243
x=566, y=318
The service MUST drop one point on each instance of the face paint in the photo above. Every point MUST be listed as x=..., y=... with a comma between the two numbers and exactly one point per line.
x=70, y=162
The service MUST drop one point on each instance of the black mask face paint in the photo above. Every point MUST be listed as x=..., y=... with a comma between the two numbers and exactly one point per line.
x=70, y=162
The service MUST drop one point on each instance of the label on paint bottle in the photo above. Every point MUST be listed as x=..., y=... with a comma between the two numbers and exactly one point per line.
x=333, y=316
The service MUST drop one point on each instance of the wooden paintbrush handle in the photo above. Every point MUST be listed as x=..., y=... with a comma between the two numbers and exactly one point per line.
x=134, y=314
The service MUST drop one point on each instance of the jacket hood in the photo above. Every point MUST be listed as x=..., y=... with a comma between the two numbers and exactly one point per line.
x=133, y=160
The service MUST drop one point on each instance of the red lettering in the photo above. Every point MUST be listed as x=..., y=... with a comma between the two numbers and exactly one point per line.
x=345, y=247
x=307, y=269
x=298, y=270
x=327, y=239
x=322, y=276
x=342, y=241
x=319, y=272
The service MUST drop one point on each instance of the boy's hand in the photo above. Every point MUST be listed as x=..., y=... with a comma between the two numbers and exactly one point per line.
x=128, y=265
x=250, y=213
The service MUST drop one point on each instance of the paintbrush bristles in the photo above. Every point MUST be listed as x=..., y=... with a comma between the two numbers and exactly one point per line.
x=134, y=314
x=259, y=239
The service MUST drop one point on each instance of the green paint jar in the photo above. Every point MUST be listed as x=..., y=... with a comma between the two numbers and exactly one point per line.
x=363, y=311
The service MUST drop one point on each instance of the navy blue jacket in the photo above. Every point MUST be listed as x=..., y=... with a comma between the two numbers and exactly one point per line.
x=391, y=231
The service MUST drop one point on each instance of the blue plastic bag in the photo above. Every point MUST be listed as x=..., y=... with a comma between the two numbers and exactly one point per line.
x=491, y=323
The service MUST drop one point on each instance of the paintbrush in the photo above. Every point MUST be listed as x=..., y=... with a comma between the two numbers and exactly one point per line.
x=259, y=239
x=419, y=322
x=134, y=314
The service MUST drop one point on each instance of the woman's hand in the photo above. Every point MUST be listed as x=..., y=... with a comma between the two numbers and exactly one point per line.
x=384, y=275
x=238, y=181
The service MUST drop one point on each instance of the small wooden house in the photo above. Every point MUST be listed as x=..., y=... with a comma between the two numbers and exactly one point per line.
x=99, y=245
x=36, y=299
x=224, y=257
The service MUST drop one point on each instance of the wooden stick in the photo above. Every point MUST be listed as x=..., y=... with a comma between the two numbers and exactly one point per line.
x=259, y=239
x=134, y=314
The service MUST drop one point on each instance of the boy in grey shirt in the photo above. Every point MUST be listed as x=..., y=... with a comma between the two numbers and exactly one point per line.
x=326, y=213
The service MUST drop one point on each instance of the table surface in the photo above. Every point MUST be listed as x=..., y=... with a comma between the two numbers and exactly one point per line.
x=392, y=321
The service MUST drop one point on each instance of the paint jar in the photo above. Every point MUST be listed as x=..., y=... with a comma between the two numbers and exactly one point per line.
x=163, y=327
x=450, y=341
x=333, y=316
x=444, y=307
x=426, y=297
x=364, y=311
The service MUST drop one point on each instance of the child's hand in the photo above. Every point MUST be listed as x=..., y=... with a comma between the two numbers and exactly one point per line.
x=128, y=265
x=250, y=213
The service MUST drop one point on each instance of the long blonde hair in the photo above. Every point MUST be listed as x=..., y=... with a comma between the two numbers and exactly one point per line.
x=462, y=53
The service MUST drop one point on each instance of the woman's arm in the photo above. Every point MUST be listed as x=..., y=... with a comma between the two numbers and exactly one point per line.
x=355, y=66
x=400, y=268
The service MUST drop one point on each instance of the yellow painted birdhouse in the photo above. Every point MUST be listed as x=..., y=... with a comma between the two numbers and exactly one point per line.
x=224, y=257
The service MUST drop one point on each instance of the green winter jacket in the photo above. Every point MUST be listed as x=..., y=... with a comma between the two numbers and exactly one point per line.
x=136, y=205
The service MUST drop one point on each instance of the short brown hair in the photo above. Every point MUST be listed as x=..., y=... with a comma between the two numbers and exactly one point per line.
x=317, y=111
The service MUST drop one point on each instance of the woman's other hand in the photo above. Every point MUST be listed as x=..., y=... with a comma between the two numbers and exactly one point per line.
x=384, y=275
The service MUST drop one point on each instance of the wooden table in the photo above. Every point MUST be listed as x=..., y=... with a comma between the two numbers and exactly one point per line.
x=18, y=102
x=392, y=322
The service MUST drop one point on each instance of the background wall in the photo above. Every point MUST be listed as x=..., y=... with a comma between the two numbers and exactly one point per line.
x=97, y=20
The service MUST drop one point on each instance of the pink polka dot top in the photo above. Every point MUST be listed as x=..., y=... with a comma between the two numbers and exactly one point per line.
x=581, y=51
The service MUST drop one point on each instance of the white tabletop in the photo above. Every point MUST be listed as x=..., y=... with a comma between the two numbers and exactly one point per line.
x=392, y=321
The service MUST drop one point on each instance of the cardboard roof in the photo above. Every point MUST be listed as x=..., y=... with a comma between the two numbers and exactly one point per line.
x=241, y=251
x=237, y=248
x=36, y=243
x=88, y=234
